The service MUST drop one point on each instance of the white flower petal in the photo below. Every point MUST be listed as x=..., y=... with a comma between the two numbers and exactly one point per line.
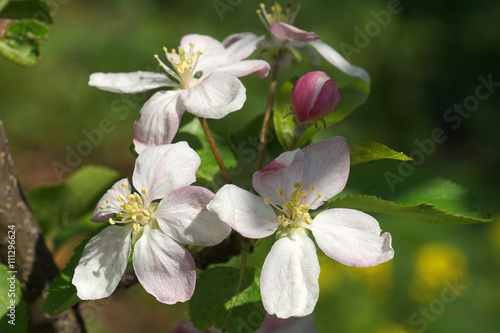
x=327, y=167
x=241, y=45
x=289, y=278
x=246, y=67
x=160, y=119
x=244, y=212
x=351, y=237
x=183, y=216
x=340, y=62
x=214, y=54
x=162, y=169
x=281, y=173
x=129, y=83
x=163, y=267
x=111, y=208
x=215, y=96
x=290, y=33
x=103, y=262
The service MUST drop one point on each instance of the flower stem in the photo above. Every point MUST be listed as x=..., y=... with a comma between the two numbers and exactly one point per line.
x=215, y=151
x=267, y=116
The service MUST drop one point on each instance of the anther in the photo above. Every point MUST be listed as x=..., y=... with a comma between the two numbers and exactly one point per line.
x=281, y=193
x=111, y=221
x=125, y=185
x=266, y=201
x=144, y=190
x=102, y=206
x=312, y=187
x=145, y=213
x=137, y=227
x=121, y=198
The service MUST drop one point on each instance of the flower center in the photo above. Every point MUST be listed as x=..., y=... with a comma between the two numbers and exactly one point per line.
x=132, y=209
x=293, y=215
x=184, y=65
x=277, y=14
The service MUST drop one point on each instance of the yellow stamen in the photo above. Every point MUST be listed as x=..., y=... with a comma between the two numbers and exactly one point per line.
x=137, y=227
x=145, y=213
x=107, y=200
x=281, y=193
x=125, y=185
x=319, y=195
x=312, y=187
x=121, y=198
x=111, y=221
x=102, y=206
x=144, y=190
x=266, y=201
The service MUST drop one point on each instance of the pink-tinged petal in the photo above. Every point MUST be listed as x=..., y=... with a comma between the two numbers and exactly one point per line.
x=290, y=33
x=351, y=237
x=165, y=269
x=245, y=212
x=241, y=45
x=214, y=54
x=183, y=215
x=111, y=207
x=289, y=279
x=281, y=173
x=129, y=83
x=327, y=168
x=162, y=169
x=339, y=61
x=216, y=96
x=103, y=262
x=160, y=119
x=246, y=67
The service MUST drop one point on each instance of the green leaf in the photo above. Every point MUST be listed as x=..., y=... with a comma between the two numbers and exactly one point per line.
x=371, y=151
x=218, y=302
x=59, y=207
x=209, y=170
x=13, y=315
x=354, y=94
x=283, y=124
x=61, y=295
x=400, y=189
x=21, y=41
x=26, y=9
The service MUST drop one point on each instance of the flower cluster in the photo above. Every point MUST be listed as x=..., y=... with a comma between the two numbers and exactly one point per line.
x=154, y=216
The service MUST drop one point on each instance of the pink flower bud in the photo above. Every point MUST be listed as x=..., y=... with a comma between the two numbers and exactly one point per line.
x=314, y=96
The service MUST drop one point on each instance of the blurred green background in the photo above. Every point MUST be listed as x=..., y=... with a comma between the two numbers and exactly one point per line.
x=425, y=60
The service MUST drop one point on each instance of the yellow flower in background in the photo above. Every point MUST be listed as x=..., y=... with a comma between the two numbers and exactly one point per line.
x=434, y=264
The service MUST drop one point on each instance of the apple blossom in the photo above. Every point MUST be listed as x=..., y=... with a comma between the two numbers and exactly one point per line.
x=314, y=96
x=203, y=78
x=293, y=184
x=287, y=36
x=164, y=212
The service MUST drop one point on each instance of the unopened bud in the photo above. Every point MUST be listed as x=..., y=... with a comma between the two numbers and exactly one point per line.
x=314, y=96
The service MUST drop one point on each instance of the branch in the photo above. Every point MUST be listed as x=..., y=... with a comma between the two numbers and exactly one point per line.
x=34, y=264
